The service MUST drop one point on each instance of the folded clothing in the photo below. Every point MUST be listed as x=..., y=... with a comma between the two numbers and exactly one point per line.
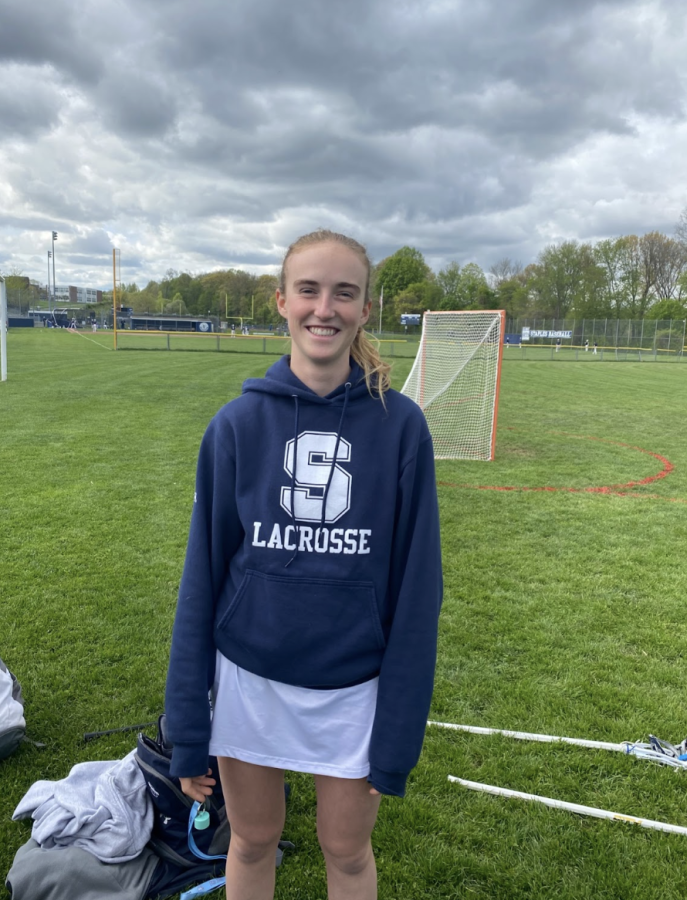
x=101, y=807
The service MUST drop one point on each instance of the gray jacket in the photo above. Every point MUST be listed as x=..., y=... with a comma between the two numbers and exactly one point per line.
x=102, y=807
x=74, y=874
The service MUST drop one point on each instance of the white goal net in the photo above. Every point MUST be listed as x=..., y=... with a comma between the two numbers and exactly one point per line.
x=455, y=380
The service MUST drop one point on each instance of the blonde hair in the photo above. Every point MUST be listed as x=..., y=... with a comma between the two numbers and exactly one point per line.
x=365, y=347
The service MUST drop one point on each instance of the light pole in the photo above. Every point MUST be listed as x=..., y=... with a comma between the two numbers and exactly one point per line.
x=54, y=288
x=3, y=330
x=49, y=301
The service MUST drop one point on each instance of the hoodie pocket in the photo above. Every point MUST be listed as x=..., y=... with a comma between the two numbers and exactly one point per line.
x=312, y=632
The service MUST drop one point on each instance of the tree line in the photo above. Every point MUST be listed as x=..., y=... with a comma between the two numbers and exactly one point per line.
x=627, y=277
x=226, y=294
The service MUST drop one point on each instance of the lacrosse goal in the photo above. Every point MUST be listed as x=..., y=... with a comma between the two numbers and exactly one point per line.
x=455, y=380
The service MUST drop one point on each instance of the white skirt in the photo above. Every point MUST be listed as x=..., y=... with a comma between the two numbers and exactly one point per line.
x=269, y=723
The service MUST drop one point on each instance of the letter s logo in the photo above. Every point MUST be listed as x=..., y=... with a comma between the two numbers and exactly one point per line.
x=314, y=461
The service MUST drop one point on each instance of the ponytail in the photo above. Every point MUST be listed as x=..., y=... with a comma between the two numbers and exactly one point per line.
x=365, y=351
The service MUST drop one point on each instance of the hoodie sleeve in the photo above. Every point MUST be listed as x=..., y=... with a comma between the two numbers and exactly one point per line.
x=214, y=537
x=406, y=679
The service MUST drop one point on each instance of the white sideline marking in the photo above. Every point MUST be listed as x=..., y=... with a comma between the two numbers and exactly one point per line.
x=73, y=331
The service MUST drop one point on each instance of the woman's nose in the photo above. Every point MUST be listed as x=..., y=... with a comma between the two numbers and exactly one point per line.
x=325, y=306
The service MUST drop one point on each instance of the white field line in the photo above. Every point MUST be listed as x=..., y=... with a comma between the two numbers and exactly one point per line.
x=71, y=331
x=571, y=807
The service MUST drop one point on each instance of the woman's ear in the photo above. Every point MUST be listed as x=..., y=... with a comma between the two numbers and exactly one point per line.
x=281, y=304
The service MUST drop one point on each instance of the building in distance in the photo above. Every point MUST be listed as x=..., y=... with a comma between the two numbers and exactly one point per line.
x=71, y=294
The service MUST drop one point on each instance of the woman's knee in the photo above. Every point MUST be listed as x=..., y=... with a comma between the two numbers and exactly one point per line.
x=348, y=857
x=254, y=845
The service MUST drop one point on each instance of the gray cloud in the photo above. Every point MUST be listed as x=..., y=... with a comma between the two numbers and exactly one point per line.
x=135, y=104
x=47, y=32
x=29, y=102
x=210, y=134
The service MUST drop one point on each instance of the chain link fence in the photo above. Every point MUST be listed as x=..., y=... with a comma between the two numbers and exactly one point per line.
x=620, y=339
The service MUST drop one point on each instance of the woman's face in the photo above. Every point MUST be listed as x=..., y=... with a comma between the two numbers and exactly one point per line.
x=324, y=305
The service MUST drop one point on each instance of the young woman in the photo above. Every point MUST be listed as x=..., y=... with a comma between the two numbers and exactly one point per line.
x=312, y=584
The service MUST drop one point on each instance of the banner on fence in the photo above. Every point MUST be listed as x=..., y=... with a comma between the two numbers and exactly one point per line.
x=529, y=333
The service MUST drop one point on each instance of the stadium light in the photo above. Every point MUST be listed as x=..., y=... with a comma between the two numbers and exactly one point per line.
x=49, y=301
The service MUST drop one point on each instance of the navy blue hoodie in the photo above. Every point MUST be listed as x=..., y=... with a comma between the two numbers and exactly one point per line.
x=327, y=590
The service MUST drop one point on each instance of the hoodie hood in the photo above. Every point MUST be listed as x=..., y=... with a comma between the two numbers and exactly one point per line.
x=280, y=381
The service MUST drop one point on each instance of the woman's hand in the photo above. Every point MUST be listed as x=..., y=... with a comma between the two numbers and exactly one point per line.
x=374, y=792
x=199, y=787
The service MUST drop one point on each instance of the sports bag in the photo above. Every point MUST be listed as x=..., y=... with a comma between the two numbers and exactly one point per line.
x=172, y=807
x=12, y=722
x=187, y=854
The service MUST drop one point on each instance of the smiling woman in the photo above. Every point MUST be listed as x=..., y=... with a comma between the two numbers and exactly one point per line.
x=312, y=585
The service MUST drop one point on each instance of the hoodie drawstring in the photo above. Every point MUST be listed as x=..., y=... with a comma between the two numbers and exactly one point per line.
x=293, y=486
x=331, y=470
x=336, y=450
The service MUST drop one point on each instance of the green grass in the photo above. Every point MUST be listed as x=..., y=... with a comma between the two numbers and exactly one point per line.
x=564, y=611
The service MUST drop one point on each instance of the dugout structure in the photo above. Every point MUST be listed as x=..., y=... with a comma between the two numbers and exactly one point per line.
x=455, y=380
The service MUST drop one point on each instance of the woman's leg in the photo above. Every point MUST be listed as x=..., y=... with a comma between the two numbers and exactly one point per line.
x=256, y=810
x=346, y=815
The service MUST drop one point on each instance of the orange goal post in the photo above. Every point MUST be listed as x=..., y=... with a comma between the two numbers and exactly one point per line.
x=455, y=379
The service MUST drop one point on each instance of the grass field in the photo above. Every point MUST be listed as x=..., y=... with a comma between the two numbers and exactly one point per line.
x=564, y=609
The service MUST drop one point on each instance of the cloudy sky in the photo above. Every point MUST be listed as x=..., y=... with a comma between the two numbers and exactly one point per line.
x=209, y=134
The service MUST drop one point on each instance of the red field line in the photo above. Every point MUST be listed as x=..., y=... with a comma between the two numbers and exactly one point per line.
x=619, y=490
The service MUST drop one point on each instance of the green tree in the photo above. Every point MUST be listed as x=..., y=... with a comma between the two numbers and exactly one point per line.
x=417, y=298
x=505, y=269
x=473, y=289
x=449, y=282
x=591, y=297
x=634, y=282
x=611, y=256
x=670, y=261
x=266, y=312
x=176, y=307
x=397, y=272
x=18, y=289
x=512, y=294
x=682, y=287
x=561, y=279
x=667, y=309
